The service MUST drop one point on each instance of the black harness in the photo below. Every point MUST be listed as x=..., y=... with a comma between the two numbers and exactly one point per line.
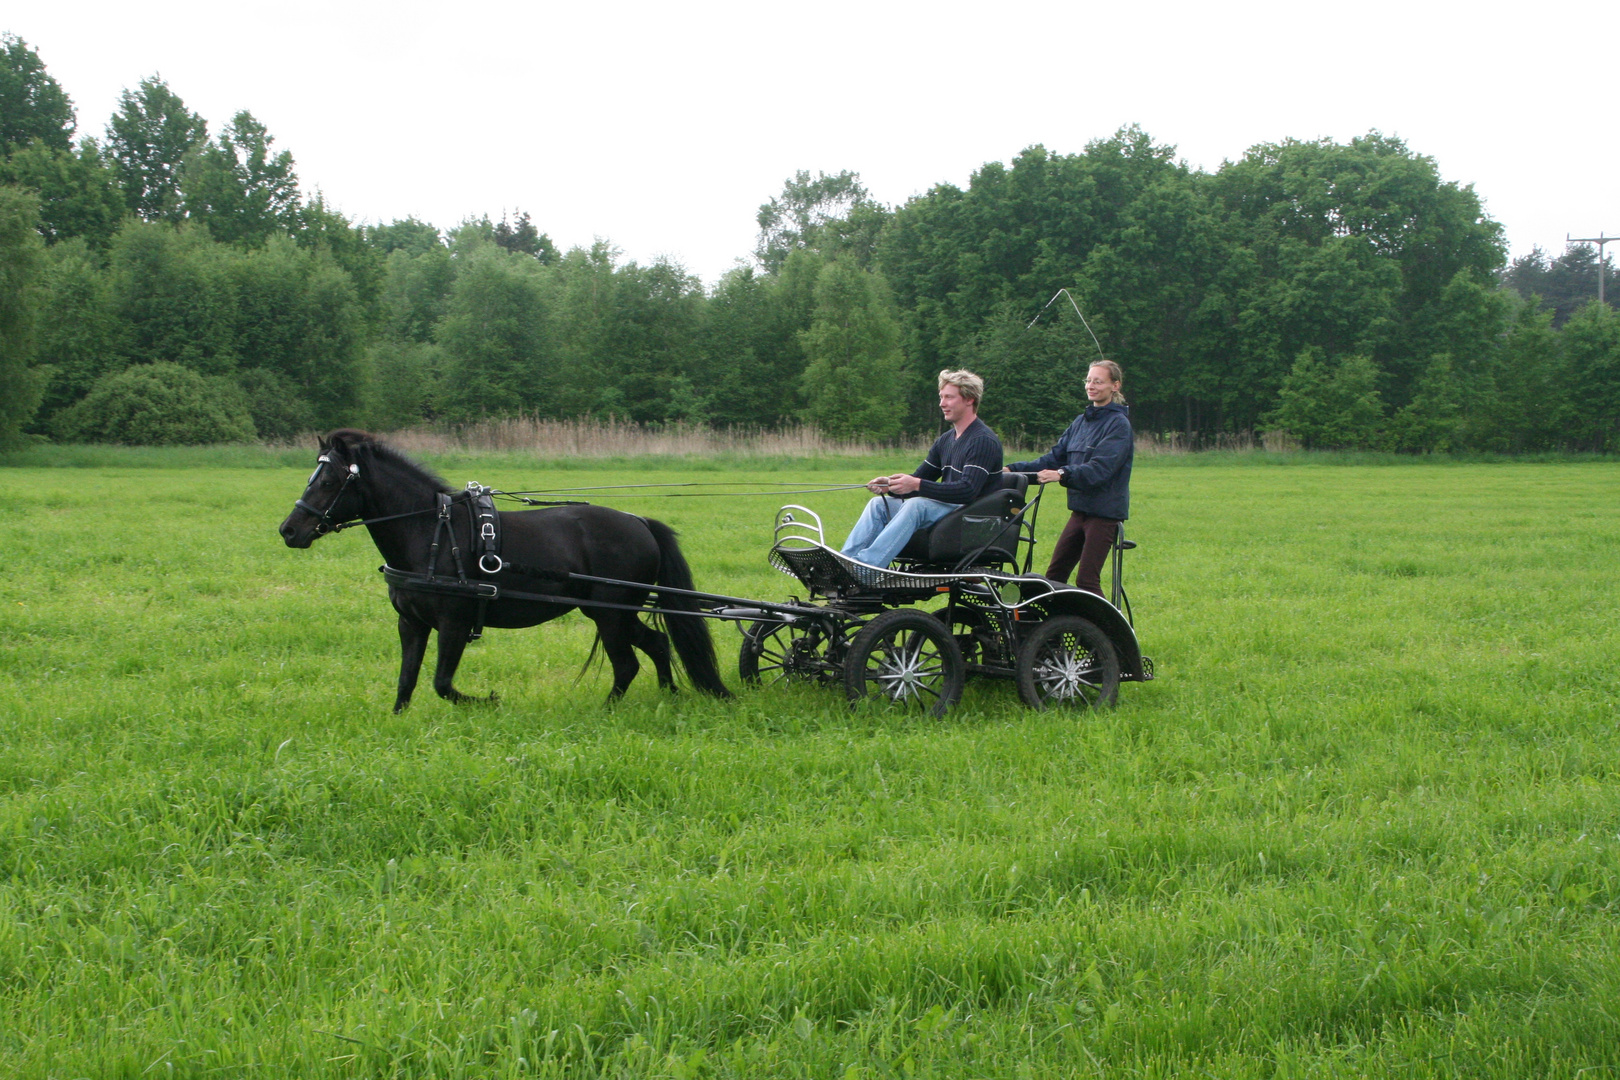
x=483, y=536
x=484, y=550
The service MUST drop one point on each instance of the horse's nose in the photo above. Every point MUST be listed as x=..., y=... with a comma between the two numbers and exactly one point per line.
x=286, y=531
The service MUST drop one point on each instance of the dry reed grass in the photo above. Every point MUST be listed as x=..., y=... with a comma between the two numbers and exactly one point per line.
x=1154, y=444
x=590, y=438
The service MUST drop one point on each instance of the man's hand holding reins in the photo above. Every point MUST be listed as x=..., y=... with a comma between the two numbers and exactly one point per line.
x=898, y=484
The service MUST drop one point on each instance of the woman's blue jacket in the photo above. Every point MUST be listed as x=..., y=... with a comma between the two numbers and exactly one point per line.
x=1095, y=456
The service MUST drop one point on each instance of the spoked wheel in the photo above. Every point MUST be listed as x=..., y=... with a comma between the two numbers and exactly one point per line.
x=1068, y=663
x=908, y=658
x=774, y=652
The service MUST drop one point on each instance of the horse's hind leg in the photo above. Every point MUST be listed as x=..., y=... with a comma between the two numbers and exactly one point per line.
x=452, y=643
x=618, y=633
x=656, y=645
x=413, y=639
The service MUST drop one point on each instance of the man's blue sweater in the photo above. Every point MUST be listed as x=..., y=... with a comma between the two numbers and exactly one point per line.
x=957, y=467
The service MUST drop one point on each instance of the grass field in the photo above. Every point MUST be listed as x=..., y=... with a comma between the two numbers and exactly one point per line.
x=1364, y=824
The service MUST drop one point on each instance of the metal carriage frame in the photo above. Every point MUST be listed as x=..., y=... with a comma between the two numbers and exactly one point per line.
x=863, y=627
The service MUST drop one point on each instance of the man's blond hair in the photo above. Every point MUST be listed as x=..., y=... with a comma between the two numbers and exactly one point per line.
x=967, y=384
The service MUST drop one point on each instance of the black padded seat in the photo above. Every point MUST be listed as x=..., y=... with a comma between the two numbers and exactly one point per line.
x=987, y=520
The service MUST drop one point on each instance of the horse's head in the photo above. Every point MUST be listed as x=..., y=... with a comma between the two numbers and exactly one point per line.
x=332, y=495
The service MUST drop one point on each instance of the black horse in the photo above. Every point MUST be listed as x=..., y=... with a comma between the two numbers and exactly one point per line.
x=359, y=478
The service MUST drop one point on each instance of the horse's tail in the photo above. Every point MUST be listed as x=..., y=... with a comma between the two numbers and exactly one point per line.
x=688, y=633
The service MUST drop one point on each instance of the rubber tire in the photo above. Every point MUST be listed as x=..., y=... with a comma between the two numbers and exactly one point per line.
x=1056, y=641
x=765, y=649
x=872, y=653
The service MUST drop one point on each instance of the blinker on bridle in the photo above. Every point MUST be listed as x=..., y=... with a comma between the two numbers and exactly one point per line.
x=326, y=524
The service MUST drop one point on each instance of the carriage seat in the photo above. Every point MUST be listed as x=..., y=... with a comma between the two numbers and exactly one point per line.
x=986, y=520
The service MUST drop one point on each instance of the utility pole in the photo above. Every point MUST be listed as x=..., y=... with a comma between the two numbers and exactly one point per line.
x=1599, y=240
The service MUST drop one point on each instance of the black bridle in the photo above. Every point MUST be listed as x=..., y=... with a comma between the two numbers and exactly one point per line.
x=326, y=524
x=324, y=520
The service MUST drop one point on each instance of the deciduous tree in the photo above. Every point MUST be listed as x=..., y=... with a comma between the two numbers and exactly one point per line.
x=172, y=291
x=20, y=258
x=297, y=315
x=1330, y=405
x=239, y=187
x=149, y=139
x=1590, y=344
x=854, y=378
x=78, y=192
x=32, y=104
x=79, y=342
x=834, y=214
x=407, y=234
x=497, y=352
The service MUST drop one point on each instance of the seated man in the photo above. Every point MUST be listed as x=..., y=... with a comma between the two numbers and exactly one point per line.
x=957, y=468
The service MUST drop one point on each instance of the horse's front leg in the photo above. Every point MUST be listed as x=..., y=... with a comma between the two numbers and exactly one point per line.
x=452, y=643
x=413, y=639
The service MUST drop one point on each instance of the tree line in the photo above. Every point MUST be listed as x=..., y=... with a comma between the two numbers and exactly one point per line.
x=162, y=283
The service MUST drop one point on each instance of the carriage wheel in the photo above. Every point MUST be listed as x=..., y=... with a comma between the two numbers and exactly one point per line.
x=774, y=652
x=908, y=658
x=1068, y=663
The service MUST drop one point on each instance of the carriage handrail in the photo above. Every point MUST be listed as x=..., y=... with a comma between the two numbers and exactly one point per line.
x=785, y=521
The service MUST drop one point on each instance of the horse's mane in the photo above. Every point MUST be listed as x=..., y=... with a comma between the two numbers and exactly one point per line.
x=355, y=439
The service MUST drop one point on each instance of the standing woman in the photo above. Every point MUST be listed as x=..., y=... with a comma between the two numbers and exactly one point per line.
x=1092, y=460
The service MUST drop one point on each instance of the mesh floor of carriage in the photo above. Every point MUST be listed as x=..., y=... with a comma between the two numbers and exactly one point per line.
x=824, y=570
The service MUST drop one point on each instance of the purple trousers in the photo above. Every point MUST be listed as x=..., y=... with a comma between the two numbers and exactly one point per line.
x=1085, y=540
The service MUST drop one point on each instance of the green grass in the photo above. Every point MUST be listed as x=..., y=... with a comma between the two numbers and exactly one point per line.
x=1364, y=824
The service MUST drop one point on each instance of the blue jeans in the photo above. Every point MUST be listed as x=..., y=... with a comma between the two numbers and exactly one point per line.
x=887, y=523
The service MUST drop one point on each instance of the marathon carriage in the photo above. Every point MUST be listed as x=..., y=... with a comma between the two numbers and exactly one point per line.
x=873, y=632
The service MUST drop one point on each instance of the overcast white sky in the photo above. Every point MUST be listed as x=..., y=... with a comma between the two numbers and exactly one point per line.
x=662, y=127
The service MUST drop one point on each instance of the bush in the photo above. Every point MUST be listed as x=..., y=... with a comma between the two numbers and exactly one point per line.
x=1329, y=405
x=274, y=405
x=160, y=404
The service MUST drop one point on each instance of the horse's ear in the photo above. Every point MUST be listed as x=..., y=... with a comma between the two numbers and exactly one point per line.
x=338, y=443
x=325, y=446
